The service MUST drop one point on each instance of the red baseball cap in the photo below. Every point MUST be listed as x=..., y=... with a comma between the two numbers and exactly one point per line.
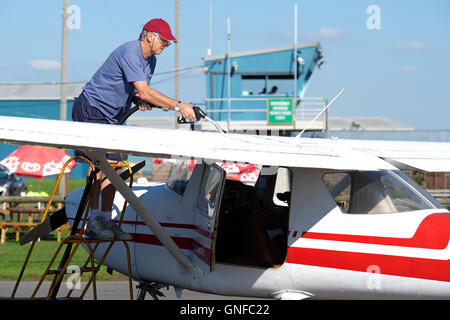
x=161, y=27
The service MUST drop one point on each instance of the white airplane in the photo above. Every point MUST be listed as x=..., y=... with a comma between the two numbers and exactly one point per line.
x=326, y=219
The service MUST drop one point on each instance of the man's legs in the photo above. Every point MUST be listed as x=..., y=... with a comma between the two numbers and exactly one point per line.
x=107, y=191
x=102, y=212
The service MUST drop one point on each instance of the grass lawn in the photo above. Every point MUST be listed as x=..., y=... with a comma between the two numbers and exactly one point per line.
x=48, y=184
x=12, y=257
x=12, y=254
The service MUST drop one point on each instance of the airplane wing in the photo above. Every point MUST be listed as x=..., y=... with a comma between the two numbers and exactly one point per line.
x=407, y=155
x=337, y=154
x=166, y=143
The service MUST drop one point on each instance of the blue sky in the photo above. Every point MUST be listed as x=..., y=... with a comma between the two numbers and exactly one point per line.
x=399, y=71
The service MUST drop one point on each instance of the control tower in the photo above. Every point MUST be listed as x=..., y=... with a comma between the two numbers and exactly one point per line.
x=264, y=89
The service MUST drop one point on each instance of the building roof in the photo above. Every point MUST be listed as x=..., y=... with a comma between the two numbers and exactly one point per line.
x=261, y=51
x=38, y=90
x=152, y=122
x=366, y=124
x=414, y=135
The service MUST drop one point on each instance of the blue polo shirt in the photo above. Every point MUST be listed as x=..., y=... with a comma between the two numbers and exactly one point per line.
x=111, y=88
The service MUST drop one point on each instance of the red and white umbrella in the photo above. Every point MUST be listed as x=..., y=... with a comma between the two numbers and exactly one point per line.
x=246, y=173
x=38, y=162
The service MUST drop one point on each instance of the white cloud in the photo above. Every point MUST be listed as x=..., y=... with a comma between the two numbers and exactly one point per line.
x=44, y=65
x=412, y=45
x=325, y=33
x=408, y=69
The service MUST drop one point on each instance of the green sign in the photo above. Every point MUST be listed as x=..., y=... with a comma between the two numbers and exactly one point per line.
x=280, y=111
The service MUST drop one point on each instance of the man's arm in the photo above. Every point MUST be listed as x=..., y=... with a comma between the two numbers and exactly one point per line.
x=158, y=99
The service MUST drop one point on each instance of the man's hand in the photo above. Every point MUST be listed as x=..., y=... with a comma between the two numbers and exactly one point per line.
x=187, y=111
x=146, y=93
x=143, y=105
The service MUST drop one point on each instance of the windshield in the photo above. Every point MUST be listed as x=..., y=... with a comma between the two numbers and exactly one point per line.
x=377, y=192
x=407, y=181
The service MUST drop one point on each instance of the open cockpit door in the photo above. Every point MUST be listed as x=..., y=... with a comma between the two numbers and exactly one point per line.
x=203, y=195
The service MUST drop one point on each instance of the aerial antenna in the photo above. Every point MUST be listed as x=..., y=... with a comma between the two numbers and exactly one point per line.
x=318, y=115
x=210, y=27
x=177, y=57
x=229, y=71
x=295, y=55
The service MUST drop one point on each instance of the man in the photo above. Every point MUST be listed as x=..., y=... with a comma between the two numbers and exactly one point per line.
x=122, y=79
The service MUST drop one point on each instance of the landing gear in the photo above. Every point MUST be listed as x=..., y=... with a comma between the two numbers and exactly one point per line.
x=152, y=288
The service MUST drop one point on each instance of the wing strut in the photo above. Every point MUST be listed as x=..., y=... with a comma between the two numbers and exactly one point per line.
x=141, y=210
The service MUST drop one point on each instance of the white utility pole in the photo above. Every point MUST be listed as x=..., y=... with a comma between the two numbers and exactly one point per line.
x=63, y=187
x=63, y=90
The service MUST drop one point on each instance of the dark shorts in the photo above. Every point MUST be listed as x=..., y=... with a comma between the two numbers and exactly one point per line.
x=82, y=111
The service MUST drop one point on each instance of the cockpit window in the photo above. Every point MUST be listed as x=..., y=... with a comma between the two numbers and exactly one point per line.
x=377, y=192
x=210, y=190
x=180, y=176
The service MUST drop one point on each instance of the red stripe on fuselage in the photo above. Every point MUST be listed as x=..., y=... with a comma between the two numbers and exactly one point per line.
x=432, y=233
x=183, y=243
x=201, y=231
x=201, y=251
x=430, y=269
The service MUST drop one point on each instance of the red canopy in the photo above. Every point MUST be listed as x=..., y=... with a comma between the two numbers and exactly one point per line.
x=38, y=162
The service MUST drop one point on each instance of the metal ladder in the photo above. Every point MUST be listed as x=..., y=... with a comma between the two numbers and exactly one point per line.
x=76, y=237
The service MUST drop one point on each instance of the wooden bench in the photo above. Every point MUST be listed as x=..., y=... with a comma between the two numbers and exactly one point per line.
x=22, y=206
x=25, y=226
x=16, y=226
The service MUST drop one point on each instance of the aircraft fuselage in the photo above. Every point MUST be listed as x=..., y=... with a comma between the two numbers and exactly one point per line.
x=296, y=233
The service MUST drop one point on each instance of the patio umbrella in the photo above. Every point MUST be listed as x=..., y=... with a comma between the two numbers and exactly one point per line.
x=246, y=173
x=37, y=162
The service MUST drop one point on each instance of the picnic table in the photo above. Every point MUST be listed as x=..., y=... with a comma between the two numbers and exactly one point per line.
x=23, y=213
